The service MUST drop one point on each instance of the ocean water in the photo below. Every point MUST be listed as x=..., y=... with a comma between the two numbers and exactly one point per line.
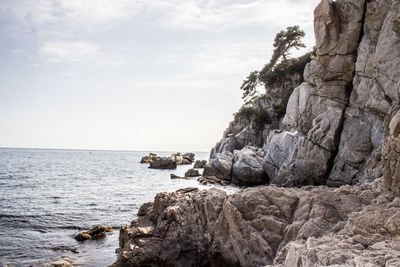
x=48, y=196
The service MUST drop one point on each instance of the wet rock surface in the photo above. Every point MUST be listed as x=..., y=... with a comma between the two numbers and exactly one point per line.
x=97, y=232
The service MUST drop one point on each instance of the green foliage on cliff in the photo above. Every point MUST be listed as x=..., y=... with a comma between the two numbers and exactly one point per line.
x=259, y=116
x=284, y=68
x=283, y=43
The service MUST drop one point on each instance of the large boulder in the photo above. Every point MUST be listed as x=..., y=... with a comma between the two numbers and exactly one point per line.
x=220, y=166
x=163, y=163
x=247, y=166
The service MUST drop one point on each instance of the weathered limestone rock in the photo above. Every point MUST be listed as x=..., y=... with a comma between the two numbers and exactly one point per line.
x=363, y=121
x=242, y=167
x=278, y=151
x=247, y=166
x=267, y=225
x=220, y=166
x=163, y=163
x=199, y=164
x=192, y=173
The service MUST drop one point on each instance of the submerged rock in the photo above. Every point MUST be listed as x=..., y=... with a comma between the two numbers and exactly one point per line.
x=97, y=232
x=211, y=180
x=174, y=176
x=163, y=163
x=199, y=164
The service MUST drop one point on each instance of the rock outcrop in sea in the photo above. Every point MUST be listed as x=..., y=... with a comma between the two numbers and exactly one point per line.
x=157, y=162
x=330, y=165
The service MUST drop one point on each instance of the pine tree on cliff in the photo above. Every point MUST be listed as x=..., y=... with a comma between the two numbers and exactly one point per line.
x=283, y=43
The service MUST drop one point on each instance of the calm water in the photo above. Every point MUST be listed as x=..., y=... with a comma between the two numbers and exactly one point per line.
x=48, y=196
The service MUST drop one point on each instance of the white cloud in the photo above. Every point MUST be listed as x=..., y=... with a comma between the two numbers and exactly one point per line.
x=76, y=52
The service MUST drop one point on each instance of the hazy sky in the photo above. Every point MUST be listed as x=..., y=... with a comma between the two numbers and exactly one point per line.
x=132, y=74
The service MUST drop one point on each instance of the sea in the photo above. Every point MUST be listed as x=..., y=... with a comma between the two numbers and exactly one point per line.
x=47, y=196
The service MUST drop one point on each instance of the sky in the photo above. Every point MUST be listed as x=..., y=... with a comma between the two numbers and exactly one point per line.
x=153, y=75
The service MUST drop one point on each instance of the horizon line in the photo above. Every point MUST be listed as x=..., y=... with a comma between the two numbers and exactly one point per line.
x=86, y=149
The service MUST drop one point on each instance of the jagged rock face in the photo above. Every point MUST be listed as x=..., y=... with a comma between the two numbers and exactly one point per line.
x=245, y=132
x=339, y=110
x=266, y=225
x=371, y=95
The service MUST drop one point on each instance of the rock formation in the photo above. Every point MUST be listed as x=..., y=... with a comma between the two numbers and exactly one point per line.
x=149, y=158
x=335, y=157
x=192, y=173
x=199, y=164
x=267, y=225
x=97, y=232
x=332, y=131
x=179, y=158
x=163, y=163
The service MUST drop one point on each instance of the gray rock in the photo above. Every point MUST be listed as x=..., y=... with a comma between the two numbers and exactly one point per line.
x=220, y=166
x=163, y=163
x=247, y=166
x=278, y=151
x=192, y=173
x=199, y=164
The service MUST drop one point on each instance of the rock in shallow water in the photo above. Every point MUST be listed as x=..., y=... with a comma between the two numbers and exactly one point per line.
x=199, y=164
x=97, y=232
x=192, y=173
x=163, y=163
x=148, y=159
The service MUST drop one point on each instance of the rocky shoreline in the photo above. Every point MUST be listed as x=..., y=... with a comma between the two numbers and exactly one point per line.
x=326, y=174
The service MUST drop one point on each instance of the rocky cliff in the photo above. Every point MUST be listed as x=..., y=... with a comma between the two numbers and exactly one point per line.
x=333, y=162
x=333, y=128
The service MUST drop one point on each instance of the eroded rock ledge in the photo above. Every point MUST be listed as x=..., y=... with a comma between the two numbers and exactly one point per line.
x=267, y=225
